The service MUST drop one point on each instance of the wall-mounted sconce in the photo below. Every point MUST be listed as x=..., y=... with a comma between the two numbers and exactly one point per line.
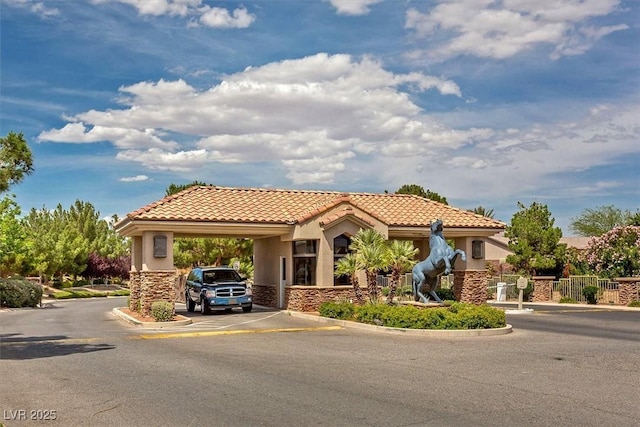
x=160, y=246
x=477, y=249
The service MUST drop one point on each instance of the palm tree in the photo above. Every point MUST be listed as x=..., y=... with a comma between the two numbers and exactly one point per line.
x=399, y=257
x=370, y=248
x=348, y=266
x=482, y=211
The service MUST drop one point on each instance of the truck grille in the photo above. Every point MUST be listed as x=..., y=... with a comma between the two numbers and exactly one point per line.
x=236, y=291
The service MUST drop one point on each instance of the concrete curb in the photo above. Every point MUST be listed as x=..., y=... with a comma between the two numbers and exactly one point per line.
x=154, y=325
x=436, y=333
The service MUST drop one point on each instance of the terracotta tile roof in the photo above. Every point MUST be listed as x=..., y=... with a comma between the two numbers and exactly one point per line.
x=347, y=211
x=271, y=206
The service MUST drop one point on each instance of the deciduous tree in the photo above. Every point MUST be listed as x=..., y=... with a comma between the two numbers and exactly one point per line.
x=13, y=248
x=596, y=222
x=15, y=160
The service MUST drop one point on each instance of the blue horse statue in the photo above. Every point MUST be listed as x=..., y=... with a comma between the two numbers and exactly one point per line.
x=440, y=261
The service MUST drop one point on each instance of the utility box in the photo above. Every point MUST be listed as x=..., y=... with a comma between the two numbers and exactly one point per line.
x=501, y=291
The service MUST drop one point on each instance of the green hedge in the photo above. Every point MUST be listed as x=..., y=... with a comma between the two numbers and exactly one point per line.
x=455, y=316
x=18, y=292
x=80, y=293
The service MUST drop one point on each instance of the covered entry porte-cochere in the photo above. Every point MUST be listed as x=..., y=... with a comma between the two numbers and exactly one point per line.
x=298, y=235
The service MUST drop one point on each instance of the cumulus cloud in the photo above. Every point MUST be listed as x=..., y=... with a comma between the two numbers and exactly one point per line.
x=310, y=113
x=201, y=14
x=353, y=7
x=217, y=17
x=325, y=119
x=503, y=28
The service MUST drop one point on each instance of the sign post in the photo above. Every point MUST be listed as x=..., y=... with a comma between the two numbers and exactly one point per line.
x=521, y=284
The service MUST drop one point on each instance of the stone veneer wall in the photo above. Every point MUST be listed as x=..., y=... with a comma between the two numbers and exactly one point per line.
x=265, y=295
x=542, y=288
x=156, y=286
x=134, y=290
x=309, y=298
x=628, y=289
x=470, y=286
x=301, y=298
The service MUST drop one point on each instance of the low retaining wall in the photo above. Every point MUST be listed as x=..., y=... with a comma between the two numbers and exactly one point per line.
x=301, y=298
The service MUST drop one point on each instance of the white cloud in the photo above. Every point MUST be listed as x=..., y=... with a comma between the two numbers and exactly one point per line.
x=159, y=7
x=136, y=178
x=503, y=28
x=353, y=7
x=214, y=17
x=320, y=109
x=33, y=6
x=330, y=118
x=217, y=17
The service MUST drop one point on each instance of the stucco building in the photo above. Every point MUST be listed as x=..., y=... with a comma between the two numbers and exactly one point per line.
x=298, y=236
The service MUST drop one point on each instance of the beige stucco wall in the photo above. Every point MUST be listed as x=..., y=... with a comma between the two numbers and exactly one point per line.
x=149, y=261
x=465, y=243
x=267, y=253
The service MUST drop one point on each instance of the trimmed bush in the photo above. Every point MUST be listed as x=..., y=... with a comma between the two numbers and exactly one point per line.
x=567, y=300
x=337, y=310
x=591, y=293
x=18, y=292
x=120, y=293
x=456, y=316
x=446, y=294
x=162, y=311
x=634, y=304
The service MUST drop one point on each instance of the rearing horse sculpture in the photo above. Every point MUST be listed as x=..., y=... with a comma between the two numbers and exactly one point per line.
x=440, y=260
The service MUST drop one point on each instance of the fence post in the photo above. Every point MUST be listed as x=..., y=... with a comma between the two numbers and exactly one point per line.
x=628, y=289
x=542, y=287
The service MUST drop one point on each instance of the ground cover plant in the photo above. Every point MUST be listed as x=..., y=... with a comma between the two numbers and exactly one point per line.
x=455, y=316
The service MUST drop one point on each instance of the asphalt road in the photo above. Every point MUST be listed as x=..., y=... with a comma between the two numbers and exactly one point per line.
x=76, y=362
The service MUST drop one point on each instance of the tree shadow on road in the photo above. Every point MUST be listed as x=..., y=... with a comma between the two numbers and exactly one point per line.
x=17, y=347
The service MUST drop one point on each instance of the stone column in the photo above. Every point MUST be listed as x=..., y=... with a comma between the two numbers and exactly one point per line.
x=134, y=290
x=156, y=286
x=628, y=289
x=542, y=288
x=470, y=286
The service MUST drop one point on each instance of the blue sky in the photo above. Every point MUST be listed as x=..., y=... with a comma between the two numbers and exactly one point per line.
x=486, y=102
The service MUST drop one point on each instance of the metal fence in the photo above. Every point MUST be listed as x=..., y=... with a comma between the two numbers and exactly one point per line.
x=571, y=288
x=510, y=292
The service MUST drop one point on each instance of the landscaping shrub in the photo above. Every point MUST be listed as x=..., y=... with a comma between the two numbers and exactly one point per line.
x=162, y=311
x=634, y=304
x=456, y=316
x=337, y=310
x=567, y=300
x=18, y=292
x=446, y=294
x=75, y=293
x=119, y=293
x=591, y=293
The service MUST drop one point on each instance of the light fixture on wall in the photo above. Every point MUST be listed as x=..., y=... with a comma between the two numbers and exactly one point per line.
x=160, y=246
x=477, y=249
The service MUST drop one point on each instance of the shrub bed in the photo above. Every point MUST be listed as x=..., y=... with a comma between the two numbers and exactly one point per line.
x=19, y=292
x=456, y=316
